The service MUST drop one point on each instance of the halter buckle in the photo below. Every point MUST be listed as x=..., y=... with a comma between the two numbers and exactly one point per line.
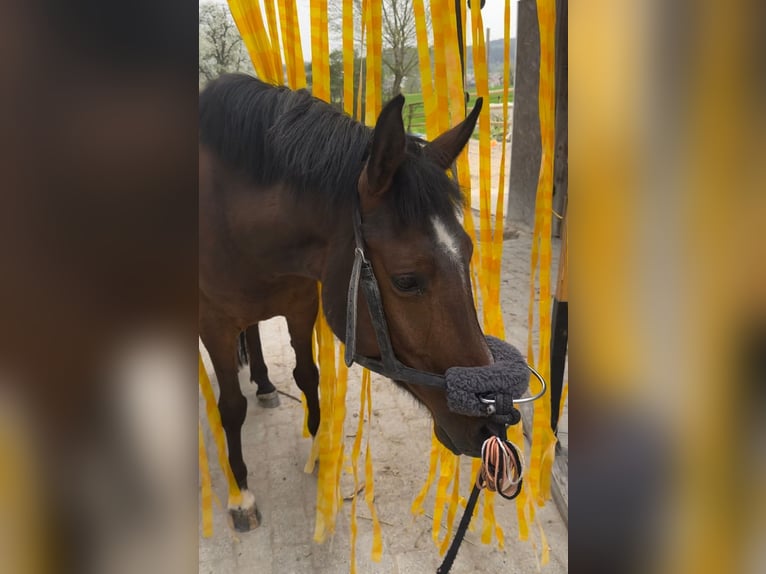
x=487, y=400
x=490, y=402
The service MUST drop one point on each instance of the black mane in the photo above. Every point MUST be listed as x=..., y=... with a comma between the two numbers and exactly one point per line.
x=273, y=134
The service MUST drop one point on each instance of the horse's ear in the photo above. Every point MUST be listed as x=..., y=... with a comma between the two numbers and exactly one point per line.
x=388, y=147
x=445, y=149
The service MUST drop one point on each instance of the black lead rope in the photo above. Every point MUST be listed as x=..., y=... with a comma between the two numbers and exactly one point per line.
x=500, y=461
x=462, y=527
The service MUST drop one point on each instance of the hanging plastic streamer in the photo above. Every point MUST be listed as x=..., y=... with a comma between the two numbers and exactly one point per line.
x=262, y=47
x=356, y=449
x=216, y=429
x=441, y=88
x=365, y=398
x=543, y=439
x=486, y=264
x=488, y=272
x=373, y=23
x=449, y=110
x=332, y=385
x=206, y=499
x=27, y=544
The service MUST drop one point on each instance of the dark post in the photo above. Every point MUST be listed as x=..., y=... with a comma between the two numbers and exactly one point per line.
x=559, y=330
x=526, y=151
x=560, y=167
x=560, y=314
x=459, y=20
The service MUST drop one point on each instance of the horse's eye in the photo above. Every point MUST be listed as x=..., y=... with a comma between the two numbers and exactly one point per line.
x=407, y=283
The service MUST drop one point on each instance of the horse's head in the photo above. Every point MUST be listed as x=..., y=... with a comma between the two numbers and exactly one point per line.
x=420, y=256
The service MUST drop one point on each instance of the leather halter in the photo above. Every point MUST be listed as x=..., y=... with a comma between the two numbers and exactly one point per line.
x=388, y=365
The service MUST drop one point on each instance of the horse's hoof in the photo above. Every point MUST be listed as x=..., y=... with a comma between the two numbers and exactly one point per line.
x=268, y=400
x=245, y=519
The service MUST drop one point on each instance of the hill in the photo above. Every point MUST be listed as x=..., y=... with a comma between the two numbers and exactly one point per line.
x=494, y=61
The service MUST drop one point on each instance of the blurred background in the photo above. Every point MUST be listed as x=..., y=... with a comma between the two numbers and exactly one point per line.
x=668, y=196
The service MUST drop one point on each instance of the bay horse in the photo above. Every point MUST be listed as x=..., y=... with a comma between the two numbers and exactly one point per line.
x=282, y=176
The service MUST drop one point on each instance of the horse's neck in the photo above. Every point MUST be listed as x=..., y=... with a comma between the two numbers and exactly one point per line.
x=302, y=236
x=332, y=265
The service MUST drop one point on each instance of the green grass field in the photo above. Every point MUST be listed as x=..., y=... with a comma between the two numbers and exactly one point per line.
x=414, y=114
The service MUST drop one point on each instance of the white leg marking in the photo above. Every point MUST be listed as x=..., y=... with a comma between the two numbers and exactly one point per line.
x=248, y=501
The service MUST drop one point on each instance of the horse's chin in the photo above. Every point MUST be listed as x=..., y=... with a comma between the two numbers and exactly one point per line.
x=445, y=439
x=460, y=444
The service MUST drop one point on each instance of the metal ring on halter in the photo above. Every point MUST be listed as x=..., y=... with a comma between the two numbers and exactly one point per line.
x=487, y=401
x=538, y=395
x=360, y=251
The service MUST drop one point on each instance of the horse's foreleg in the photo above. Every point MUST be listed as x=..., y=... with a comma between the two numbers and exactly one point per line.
x=220, y=339
x=300, y=323
x=259, y=372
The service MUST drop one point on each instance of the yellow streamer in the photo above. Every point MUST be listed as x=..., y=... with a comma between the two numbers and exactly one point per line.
x=369, y=481
x=24, y=519
x=207, y=488
x=249, y=20
x=438, y=13
x=373, y=17
x=276, y=57
x=320, y=56
x=453, y=504
x=330, y=434
x=485, y=155
x=543, y=440
x=564, y=394
x=356, y=449
x=287, y=45
x=417, y=504
x=297, y=47
x=216, y=428
x=332, y=385
x=424, y=63
x=497, y=328
x=486, y=264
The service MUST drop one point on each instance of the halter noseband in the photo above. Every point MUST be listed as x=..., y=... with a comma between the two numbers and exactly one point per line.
x=495, y=391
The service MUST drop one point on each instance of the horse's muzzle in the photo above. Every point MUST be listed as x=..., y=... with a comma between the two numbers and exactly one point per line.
x=489, y=390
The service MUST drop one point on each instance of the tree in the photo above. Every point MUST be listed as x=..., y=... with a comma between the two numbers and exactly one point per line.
x=336, y=76
x=337, y=81
x=400, y=56
x=221, y=48
x=400, y=53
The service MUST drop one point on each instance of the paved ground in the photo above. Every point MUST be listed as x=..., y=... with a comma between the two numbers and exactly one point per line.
x=275, y=453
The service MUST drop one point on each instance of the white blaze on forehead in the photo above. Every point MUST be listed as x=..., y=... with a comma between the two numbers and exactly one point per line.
x=447, y=241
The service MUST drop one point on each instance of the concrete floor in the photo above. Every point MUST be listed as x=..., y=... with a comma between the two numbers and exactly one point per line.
x=401, y=432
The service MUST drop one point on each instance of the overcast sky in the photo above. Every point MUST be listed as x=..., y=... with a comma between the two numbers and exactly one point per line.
x=492, y=13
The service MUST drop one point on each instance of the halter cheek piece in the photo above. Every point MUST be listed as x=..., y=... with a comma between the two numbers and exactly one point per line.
x=489, y=391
